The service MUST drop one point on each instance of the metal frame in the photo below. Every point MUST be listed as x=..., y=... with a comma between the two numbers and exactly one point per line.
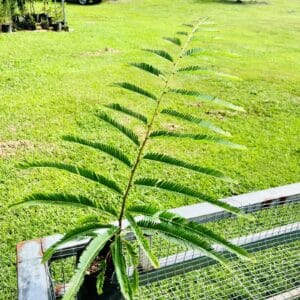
x=33, y=276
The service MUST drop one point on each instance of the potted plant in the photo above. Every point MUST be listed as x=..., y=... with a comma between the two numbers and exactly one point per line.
x=103, y=259
x=57, y=18
x=5, y=16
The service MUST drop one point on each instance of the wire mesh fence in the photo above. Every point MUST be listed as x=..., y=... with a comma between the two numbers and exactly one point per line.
x=273, y=239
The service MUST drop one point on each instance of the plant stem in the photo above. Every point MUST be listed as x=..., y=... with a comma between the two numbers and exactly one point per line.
x=150, y=125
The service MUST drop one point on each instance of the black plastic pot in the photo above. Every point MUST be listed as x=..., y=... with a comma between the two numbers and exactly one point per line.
x=7, y=28
x=45, y=25
x=57, y=26
x=50, y=21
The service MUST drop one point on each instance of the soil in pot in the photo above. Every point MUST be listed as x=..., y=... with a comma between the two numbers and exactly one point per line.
x=7, y=28
x=111, y=289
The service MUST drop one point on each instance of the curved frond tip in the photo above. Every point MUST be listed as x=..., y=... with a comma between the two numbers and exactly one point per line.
x=148, y=68
x=200, y=122
x=174, y=40
x=162, y=53
x=197, y=137
x=123, y=129
x=127, y=111
x=83, y=172
x=159, y=157
x=184, y=190
x=207, y=98
x=136, y=89
x=108, y=149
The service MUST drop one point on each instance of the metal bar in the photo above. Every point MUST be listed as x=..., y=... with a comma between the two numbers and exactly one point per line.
x=191, y=260
x=205, y=212
x=33, y=276
x=290, y=295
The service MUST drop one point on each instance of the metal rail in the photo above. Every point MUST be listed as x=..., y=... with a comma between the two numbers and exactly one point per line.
x=33, y=276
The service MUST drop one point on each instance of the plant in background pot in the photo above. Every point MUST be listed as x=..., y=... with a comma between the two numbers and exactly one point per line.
x=104, y=257
x=5, y=16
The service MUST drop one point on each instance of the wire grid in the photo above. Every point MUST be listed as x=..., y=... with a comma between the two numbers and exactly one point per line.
x=184, y=274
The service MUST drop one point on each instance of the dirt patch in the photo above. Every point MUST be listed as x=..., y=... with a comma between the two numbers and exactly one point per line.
x=100, y=52
x=10, y=148
x=171, y=126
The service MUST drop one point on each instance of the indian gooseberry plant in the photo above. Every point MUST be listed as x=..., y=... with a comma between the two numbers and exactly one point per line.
x=108, y=244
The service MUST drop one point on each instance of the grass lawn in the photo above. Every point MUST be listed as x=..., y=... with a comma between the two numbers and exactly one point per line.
x=51, y=84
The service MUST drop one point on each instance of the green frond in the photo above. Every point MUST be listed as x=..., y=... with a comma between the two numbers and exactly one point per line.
x=197, y=137
x=207, y=98
x=127, y=111
x=134, y=261
x=120, y=268
x=74, y=234
x=142, y=241
x=108, y=149
x=147, y=210
x=162, y=53
x=126, y=131
x=186, y=191
x=58, y=199
x=193, y=51
x=203, y=231
x=188, y=25
x=85, y=261
x=85, y=173
x=183, y=237
x=202, y=123
x=101, y=277
x=182, y=33
x=174, y=40
x=183, y=164
x=148, y=68
x=191, y=69
x=136, y=89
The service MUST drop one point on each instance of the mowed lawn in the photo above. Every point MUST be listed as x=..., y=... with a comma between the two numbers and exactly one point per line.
x=52, y=84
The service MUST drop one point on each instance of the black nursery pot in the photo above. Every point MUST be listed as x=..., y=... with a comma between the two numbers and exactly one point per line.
x=88, y=291
x=57, y=26
x=7, y=28
x=45, y=25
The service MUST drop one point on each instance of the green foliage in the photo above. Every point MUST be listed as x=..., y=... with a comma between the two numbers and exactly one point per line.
x=112, y=240
x=108, y=149
x=162, y=53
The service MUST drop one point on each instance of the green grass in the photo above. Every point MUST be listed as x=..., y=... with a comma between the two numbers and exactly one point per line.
x=51, y=84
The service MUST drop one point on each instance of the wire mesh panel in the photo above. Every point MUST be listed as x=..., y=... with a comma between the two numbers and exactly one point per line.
x=273, y=239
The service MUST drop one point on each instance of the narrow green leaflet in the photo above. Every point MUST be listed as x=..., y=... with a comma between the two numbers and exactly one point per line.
x=193, y=51
x=180, y=163
x=101, y=277
x=127, y=111
x=134, y=260
x=126, y=131
x=148, y=68
x=184, y=190
x=207, y=98
x=174, y=40
x=120, y=268
x=136, y=89
x=56, y=199
x=188, y=25
x=182, y=33
x=197, y=137
x=206, y=233
x=202, y=123
x=83, y=172
x=85, y=261
x=108, y=149
x=162, y=53
x=142, y=241
x=191, y=69
x=74, y=234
